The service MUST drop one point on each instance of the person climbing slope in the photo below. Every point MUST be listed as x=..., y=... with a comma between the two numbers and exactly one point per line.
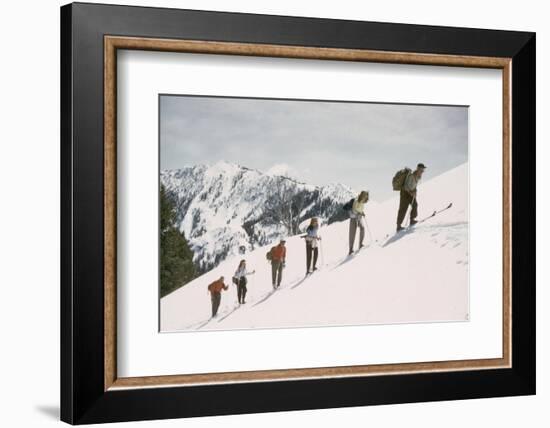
x=278, y=258
x=312, y=243
x=241, y=281
x=356, y=220
x=407, y=196
x=215, y=290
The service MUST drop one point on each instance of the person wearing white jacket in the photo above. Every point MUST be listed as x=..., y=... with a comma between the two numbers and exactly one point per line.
x=240, y=279
x=312, y=251
x=356, y=220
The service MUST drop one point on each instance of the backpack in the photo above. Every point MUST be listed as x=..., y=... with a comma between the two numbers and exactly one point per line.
x=348, y=205
x=399, y=178
x=269, y=255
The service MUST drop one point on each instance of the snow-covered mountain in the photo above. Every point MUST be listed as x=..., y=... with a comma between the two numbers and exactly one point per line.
x=227, y=209
x=420, y=275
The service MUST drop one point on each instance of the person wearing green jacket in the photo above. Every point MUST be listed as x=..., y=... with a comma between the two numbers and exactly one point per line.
x=357, y=215
x=407, y=197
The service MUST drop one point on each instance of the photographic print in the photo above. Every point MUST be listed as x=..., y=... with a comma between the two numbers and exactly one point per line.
x=284, y=213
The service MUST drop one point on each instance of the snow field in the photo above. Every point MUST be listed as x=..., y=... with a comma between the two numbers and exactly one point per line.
x=420, y=275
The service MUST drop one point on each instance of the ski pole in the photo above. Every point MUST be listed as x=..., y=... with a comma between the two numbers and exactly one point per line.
x=321, y=249
x=368, y=230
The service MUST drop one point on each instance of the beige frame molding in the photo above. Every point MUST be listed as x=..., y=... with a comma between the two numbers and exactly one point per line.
x=113, y=43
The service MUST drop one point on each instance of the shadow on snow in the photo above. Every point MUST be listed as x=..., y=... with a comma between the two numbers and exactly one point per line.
x=299, y=282
x=199, y=325
x=397, y=237
x=229, y=313
x=350, y=257
x=267, y=296
x=271, y=293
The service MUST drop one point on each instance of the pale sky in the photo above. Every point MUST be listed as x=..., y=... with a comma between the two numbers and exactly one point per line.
x=319, y=142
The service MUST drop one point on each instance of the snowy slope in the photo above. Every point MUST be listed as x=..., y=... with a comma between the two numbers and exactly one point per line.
x=415, y=276
x=222, y=207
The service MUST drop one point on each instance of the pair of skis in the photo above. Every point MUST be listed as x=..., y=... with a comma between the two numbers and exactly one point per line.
x=410, y=227
x=435, y=213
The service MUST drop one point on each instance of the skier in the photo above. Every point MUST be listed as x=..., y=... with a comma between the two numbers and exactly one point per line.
x=407, y=196
x=240, y=277
x=278, y=258
x=357, y=213
x=215, y=290
x=312, y=238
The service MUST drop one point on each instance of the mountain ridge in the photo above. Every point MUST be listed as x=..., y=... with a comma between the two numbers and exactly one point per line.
x=225, y=209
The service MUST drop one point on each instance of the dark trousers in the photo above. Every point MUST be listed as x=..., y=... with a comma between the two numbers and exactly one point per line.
x=310, y=251
x=241, y=289
x=405, y=199
x=276, y=272
x=216, y=299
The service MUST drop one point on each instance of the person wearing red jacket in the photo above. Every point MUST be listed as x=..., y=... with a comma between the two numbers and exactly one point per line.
x=215, y=290
x=278, y=257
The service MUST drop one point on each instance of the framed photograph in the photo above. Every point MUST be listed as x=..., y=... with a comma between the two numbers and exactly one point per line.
x=283, y=193
x=291, y=213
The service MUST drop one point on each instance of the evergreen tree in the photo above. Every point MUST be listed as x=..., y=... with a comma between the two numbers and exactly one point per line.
x=176, y=258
